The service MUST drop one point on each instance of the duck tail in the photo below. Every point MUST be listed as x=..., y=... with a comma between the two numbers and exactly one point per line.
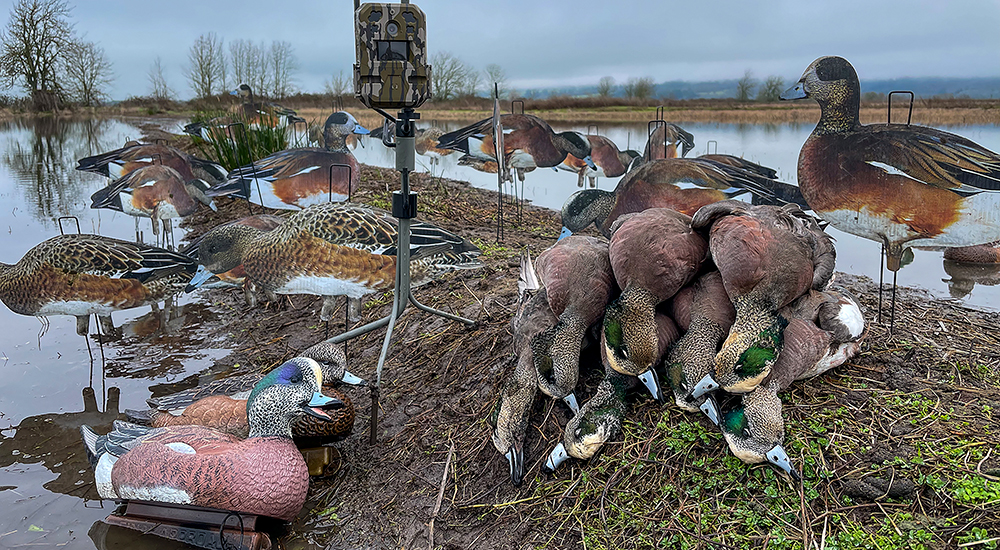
x=109, y=197
x=92, y=441
x=98, y=164
x=215, y=172
x=527, y=278
x=144, y=417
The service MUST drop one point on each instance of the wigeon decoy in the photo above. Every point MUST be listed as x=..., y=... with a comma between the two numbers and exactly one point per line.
x=578, y=280
x=267, y=112
x=293, y=179
x=608, y=160
x=426, y=144
x=899, y=185
x=653, y=254
x=767, y=256
x=157, y=192
x=988, y=253
x=824, y=330
x=331, y=249
x=664, y=140
x=657, y=184
x=81, y=275
x=222, y=404
x=264, y=474
x=133, y=155
x=235, y=277
x=509, y=418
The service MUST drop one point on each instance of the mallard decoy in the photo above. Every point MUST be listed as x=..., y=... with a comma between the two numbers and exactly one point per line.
x=293, y=179
x=767, y=256
x=664, y=140
x=331, y=249
x=157, y=192
x=608, y=160
x=222, y=404
x=509, y=418
x=578, y=280
x=197, y=466
x=899, y=185
x=654, y=254
x=81, y=275
x=119, y=162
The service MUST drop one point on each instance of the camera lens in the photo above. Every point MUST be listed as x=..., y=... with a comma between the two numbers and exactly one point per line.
x=392, y=28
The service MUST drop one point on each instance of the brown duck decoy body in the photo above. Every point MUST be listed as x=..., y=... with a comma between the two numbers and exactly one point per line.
x=610, y=162
x=529, y=142
x=236, y=277
x=900, y=185
x=134, y=155
x=664, y=140
x=988, y=253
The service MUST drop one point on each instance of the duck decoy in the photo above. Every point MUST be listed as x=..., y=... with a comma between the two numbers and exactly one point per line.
x=254, y=114
x=264, y=474
x=81, y=275
x=157, y=192
x=988, y=253
x=767, y=256
x=331, y=249
x=656, y=184
x=222, y=404
x=578, y=280
x=824, y=330
x=509, y=418
x=293, y=179
x=654, y=254
x=705, y=314
x=901, y=185
x=608, y=160
x=426, y=144
x=664, y=140
x=119, y=162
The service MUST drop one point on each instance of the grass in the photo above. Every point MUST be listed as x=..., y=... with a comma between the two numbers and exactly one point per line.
x=241, y=142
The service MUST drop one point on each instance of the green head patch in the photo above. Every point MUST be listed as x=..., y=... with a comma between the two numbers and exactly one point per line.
x=613, y=332
x=764, y=352
x=734, y=421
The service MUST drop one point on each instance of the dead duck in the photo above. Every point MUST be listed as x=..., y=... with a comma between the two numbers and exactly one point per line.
x=509, y=418
x=264, y=474
x=609, y=161
x=899, y=185
x=767, y=256
x=578, y=280
x=654, y=254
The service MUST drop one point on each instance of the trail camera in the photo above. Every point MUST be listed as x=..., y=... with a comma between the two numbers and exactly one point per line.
x=392, y=70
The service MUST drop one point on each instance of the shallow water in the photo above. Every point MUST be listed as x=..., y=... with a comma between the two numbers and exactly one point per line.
x=773, y=145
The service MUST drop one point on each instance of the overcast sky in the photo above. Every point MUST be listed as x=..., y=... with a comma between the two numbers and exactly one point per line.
x=554, y=42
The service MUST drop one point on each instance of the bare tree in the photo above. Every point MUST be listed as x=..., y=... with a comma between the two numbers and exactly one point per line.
x=605, y=86
x=159, y=88
x=338, y=85
x=283, y=65
x=639, y=88
x=472, y=82
x=496, y=74
x=258, y=74
x=88, y=73
x=449, y=75
x=240, y=58
x=770, y=89
x=31, y=47
x=206, y=70
x=745, y=86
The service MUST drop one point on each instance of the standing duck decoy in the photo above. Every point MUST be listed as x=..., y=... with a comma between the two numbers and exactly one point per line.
x=331, y=249
x=81, y=275
x=293, y=179
x=509, y=418
x=157, y=192
x=767, y=256
x=134, y=155
x=222, y=404
x=900, y=185
x=264, y=474
x=609, y=161
x=578, y=280
x=664, y=140
x=824, y=330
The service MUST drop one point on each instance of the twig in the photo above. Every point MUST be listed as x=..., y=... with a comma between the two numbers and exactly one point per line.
x=437, y=504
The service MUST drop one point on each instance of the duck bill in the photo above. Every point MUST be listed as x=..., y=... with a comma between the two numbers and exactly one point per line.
x=515, y=456
x=710, y=409
x=200, y=276
x=798, y=91
x=572, y=403
x=590, y=162
x=564, y=233
x=320, y=403
x=361, y=130
x=705, y=385
x=779, y=458
x=556, y=457
x=353, y=380
x=652, y=383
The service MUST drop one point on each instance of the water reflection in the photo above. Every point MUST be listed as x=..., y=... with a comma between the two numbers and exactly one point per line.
x=965, y=276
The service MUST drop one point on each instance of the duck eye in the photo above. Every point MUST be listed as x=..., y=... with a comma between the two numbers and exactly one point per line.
x=296, y=378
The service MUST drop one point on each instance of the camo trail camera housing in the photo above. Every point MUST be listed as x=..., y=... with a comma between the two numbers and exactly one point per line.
x=392, y=70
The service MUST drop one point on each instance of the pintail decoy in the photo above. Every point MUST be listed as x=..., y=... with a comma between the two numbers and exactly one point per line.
x=899, y=185
x=509, y=418
x=81, y=275
x=331, y=249
x=222, y=404
x=293, y=179
x=654, y=254
x=119, y=162
x=609, y=162
x=264, y=474
x=767, y=256
x=578, y=280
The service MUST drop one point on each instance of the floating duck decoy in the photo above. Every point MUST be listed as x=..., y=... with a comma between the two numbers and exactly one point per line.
x=654, y=254
x=664, y=140
x=293, y=179
x=988, y=253
x=331, y=249
x=119, y=162
x=509, y=418
x=222, y=404
x=157, y=192
x=264, y=474
x=81, y=275
x=767, y=256
x=608, y=160
x=578, y=280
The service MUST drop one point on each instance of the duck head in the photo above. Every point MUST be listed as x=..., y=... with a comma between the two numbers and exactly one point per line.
x=285, y=394
x=333, y=363
x=338, y=126
x=577, y=145
x=833, y=83
x=586, y=207
x=745, y=359
x=243, y=91
x=556, y=356
x=220, y=250
x=754, y=429
x=630, y=339
x=509, y=420
x=599, y=421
